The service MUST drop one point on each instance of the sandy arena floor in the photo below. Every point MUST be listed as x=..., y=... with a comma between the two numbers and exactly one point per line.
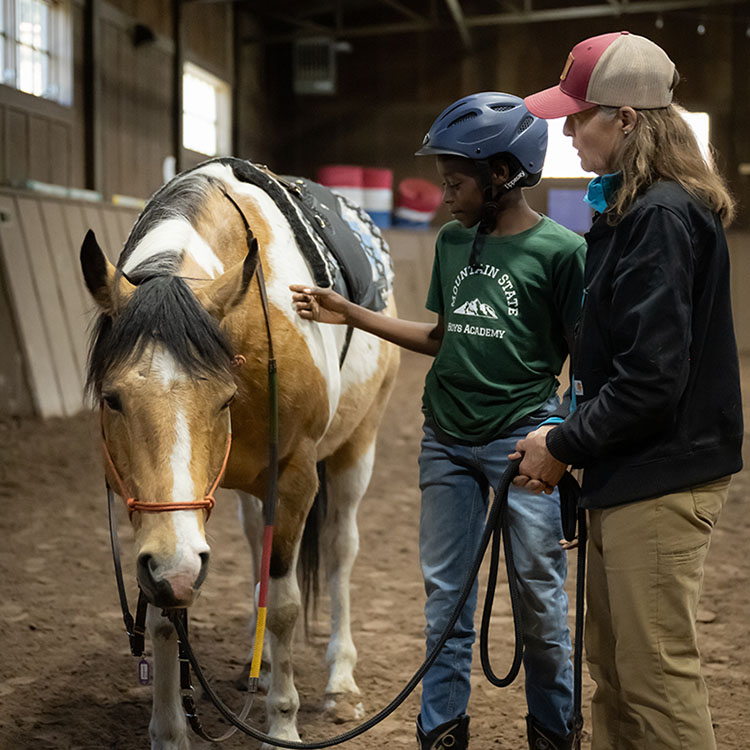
x=67, y=680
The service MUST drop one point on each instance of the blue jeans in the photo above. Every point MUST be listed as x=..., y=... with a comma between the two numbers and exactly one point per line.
x=455, y=480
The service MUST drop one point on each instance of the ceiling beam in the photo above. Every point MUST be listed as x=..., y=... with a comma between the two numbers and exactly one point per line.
x=404, y=10
x=454, y=6
x=593, y=11
x=626, y=7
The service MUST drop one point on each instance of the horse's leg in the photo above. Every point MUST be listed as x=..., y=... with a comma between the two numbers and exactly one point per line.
x=168, y=727
x=297, y=485
x=251, y=514
x=348, y=472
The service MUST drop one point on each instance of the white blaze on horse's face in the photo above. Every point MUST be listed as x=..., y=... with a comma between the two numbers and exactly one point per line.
x=168, y=437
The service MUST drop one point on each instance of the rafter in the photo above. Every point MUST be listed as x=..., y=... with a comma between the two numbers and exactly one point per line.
x=454, y=6
x=403, y=9
x=527, y=15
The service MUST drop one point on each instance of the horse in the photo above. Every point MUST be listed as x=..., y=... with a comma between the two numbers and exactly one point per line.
x=178, y=363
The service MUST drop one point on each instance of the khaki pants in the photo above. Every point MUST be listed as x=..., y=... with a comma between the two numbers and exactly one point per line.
x=644, y=581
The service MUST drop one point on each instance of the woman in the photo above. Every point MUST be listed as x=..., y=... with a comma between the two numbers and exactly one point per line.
x=657, y=424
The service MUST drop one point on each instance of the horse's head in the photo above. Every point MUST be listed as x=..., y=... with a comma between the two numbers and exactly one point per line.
x=161, y=369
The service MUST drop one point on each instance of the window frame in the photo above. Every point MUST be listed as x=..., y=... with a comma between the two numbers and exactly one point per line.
x=222, y=123
x=57, y=47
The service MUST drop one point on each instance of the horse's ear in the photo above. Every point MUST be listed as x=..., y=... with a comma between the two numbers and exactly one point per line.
x=109, y=291
x=222, y=294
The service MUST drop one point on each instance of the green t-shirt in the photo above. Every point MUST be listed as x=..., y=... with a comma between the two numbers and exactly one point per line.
x=506, y=324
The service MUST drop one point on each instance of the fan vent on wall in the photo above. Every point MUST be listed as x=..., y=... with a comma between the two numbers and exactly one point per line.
x=315, y=66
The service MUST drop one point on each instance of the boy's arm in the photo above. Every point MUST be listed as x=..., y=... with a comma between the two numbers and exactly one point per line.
x=326, y=306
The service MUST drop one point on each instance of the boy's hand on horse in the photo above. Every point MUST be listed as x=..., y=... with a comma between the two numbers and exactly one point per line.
x=320, y=304
x=539, y=471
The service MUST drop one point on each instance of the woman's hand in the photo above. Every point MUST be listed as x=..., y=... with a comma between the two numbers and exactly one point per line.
x=318, y=303
x=539, y=470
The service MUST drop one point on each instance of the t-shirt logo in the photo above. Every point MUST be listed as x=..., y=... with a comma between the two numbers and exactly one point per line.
x=477, y=308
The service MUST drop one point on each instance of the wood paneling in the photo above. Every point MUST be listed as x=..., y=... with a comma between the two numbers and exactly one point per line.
x=50, y=309
x=17, y=134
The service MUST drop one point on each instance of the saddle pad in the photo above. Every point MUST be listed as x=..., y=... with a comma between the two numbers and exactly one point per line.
x=343, y=247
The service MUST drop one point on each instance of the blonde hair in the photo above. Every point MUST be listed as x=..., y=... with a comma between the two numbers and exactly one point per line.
x=662, y=146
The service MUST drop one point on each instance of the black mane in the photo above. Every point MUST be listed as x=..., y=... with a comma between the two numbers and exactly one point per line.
x=163, y=310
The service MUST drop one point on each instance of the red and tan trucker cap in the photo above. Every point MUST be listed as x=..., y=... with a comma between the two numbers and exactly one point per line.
x=615, y=70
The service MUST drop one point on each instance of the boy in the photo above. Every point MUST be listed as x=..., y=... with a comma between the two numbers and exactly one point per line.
x=506, y=286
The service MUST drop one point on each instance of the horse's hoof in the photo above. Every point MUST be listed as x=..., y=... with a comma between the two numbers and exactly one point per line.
x=289, y=734
x=342, y=707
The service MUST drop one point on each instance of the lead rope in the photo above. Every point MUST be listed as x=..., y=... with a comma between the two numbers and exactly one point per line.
x=269, y=508
x=569, y=491
x=179, y=618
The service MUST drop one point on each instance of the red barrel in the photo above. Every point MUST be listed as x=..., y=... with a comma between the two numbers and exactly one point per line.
x=378, y=195
x=417, y=200
x=347, y=179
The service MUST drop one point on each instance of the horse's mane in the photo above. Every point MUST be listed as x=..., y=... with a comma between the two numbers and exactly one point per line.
x=162, y=310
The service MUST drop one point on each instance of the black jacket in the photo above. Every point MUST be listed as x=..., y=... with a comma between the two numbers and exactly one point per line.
x=658, y=403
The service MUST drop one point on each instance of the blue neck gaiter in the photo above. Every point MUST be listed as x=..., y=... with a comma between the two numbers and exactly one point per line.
x=601, y=190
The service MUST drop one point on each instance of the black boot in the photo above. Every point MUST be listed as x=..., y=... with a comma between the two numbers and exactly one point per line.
x=453, y=735
x=543, y=739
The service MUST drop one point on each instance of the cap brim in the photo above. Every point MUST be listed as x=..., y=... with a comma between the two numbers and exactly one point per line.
x=553, y=102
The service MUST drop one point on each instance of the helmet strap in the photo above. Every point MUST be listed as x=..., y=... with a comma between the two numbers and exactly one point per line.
x=491, y=204
x=514, y=181
x=488, y=216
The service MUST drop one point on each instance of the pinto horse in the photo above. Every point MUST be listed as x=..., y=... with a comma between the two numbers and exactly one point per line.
x=178, y=362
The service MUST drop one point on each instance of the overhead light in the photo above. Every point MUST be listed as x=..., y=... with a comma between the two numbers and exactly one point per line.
x=659, y=23
x=701, y=29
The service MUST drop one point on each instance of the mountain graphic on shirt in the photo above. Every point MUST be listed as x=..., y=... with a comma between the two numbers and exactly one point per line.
x=477, y=309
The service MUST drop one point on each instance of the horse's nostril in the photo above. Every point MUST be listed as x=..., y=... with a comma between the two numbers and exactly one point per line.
x=204, y=556
x=146, y=566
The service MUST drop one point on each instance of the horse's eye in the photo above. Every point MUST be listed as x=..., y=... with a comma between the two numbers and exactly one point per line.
x=228, y=402
x=113, y=401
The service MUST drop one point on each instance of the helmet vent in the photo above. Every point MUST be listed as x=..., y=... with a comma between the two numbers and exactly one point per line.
x=525, y=123
x=503, y=107
x=464, y=118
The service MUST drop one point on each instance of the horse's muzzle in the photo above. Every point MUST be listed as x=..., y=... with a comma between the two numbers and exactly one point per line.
x=166, y=588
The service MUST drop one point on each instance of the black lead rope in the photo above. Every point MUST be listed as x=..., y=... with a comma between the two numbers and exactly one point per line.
x=135, y=628
x=496, y=526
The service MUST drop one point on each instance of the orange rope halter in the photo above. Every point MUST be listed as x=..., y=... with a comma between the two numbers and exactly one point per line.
x=134, y=504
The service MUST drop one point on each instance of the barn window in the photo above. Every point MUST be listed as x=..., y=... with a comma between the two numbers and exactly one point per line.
x=35, y=47
x=206, y=112
x=562, y=160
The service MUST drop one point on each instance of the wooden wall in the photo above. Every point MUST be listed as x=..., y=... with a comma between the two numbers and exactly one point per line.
x=132, y=88
x=390, y=89
x=46, y=310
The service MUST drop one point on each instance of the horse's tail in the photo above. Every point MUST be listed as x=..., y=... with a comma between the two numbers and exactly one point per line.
x=309, y=555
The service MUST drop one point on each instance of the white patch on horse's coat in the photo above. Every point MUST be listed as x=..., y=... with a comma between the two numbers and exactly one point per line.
x=168, y=727
x=166, y=367
x=186, y=529
x=340, y=544
x=189, y=538
x=286, y=265
x=362, y=360
x=175, y=235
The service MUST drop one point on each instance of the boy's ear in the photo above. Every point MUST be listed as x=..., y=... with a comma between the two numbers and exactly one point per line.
x=500, y=172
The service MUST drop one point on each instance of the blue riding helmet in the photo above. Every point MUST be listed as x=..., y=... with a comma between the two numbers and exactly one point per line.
x=481, y=125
